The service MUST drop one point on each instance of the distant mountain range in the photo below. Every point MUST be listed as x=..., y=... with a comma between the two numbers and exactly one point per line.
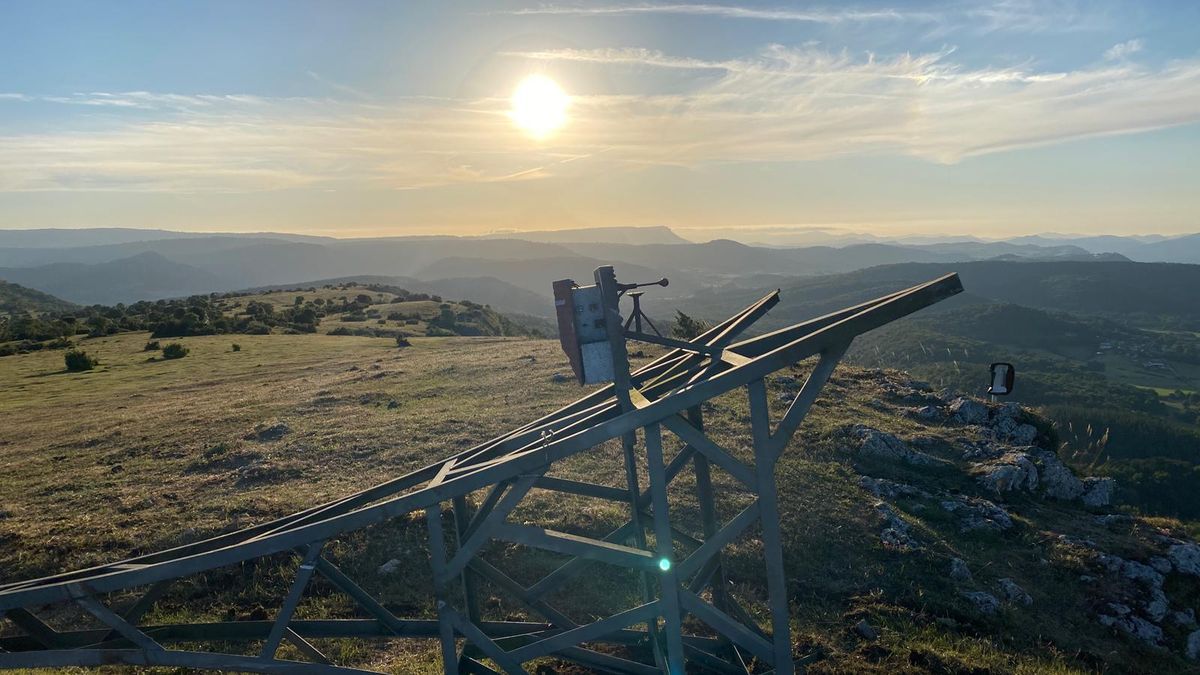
x=124, y=265
x=1102, y=288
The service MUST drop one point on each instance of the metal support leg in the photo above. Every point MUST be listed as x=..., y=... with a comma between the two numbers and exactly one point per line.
x=708, y=511
x=772, y=538
x=437, y=558
x=668, y=581
x=462, y=519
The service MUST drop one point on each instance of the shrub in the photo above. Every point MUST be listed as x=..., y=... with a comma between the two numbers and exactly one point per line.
x=152, y=346
x=175, y=350
x=78, y=361
x=237, y=347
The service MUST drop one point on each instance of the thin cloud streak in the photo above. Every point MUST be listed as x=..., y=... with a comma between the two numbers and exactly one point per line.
x=781, y=105
x=726, y=11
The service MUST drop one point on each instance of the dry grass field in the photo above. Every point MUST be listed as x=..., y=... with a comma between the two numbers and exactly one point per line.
x=142, y=454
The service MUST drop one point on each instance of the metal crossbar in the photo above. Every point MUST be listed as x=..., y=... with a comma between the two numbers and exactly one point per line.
x=679, y=575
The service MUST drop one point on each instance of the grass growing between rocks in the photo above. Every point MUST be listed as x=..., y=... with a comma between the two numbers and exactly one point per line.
x=141, y=455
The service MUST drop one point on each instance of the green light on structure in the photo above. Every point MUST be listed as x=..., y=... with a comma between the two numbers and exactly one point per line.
x=664, y=564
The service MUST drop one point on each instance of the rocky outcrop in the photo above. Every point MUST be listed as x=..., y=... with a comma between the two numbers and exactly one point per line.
x=1122, y=618
x=1098, y=492
x=984, y=603
x=978, y=514
x=959, y=570
x=1014, y=471
x=1057, y=480
x=1192, y=649
x=1013, y=593
x=968, y=411
x=1185, y=556
x=890, y=489
x=882, y=445
x=896, y=534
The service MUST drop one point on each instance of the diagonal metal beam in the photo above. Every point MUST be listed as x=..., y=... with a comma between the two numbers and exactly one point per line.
x=504, y=659
x=498, y=577
x=114, y=621
x=486, y=529
x=303, y=574
x=713, y=545
x=809, y=391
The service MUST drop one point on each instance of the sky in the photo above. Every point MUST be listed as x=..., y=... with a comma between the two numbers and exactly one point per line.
x=390, y=118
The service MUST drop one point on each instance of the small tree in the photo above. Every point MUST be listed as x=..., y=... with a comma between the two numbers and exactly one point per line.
x=237, y=347
x=685, y=327
x=78, y=361
x=152, y=346
x=175, y=350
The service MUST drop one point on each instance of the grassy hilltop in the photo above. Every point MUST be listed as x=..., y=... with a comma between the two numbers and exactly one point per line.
x=140, y=454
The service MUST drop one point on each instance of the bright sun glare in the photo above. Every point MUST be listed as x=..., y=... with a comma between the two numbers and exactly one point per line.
x=539, y=106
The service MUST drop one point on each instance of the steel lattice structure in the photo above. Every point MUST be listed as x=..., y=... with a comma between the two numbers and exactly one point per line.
x=679, y=573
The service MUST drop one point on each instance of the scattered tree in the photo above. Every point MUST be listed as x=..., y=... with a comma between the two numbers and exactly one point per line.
x=78, y=361
x=175, y=350
x=686, y=328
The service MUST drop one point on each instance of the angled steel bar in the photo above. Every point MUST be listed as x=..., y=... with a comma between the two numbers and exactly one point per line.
x=485, y=507
x=305, y=647
x=582, y=488
x=143, y=604
x=807, y=395
x=588, y=633
x=304, y=573
x=573, y=544
x=114, y=621
x=719, y=540
x=498, y=577
x=572, y=568
x=727, y=626
x=483, y=533
x=35, y=627
x=605, y=662
x=705, y=446
x=484, y=643
x=364, y=599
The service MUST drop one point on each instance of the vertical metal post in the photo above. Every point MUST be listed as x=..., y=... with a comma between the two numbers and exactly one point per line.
x=772, y=537
x=668, y=579
x=606, y=280
x=437, y=558
x=706, y=500
x=462, y=519
x=637, y=310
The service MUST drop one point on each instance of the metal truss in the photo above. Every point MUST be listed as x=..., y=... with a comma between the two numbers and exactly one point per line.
x=467, y=501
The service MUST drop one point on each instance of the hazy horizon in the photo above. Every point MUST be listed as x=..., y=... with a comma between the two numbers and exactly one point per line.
x=890, y=120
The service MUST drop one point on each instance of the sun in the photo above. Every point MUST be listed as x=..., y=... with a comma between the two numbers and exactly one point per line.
x=539, y=106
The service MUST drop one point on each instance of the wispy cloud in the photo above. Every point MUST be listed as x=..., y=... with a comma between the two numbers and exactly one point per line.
x=781, y=104
x=1123, y=50
x=726, y=11
x=1034, y=16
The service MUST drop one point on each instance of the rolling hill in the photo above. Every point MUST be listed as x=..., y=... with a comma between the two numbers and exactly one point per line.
x=16, y=299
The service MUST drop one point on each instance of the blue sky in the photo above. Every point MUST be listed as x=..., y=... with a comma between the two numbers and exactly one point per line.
x=370, y=118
